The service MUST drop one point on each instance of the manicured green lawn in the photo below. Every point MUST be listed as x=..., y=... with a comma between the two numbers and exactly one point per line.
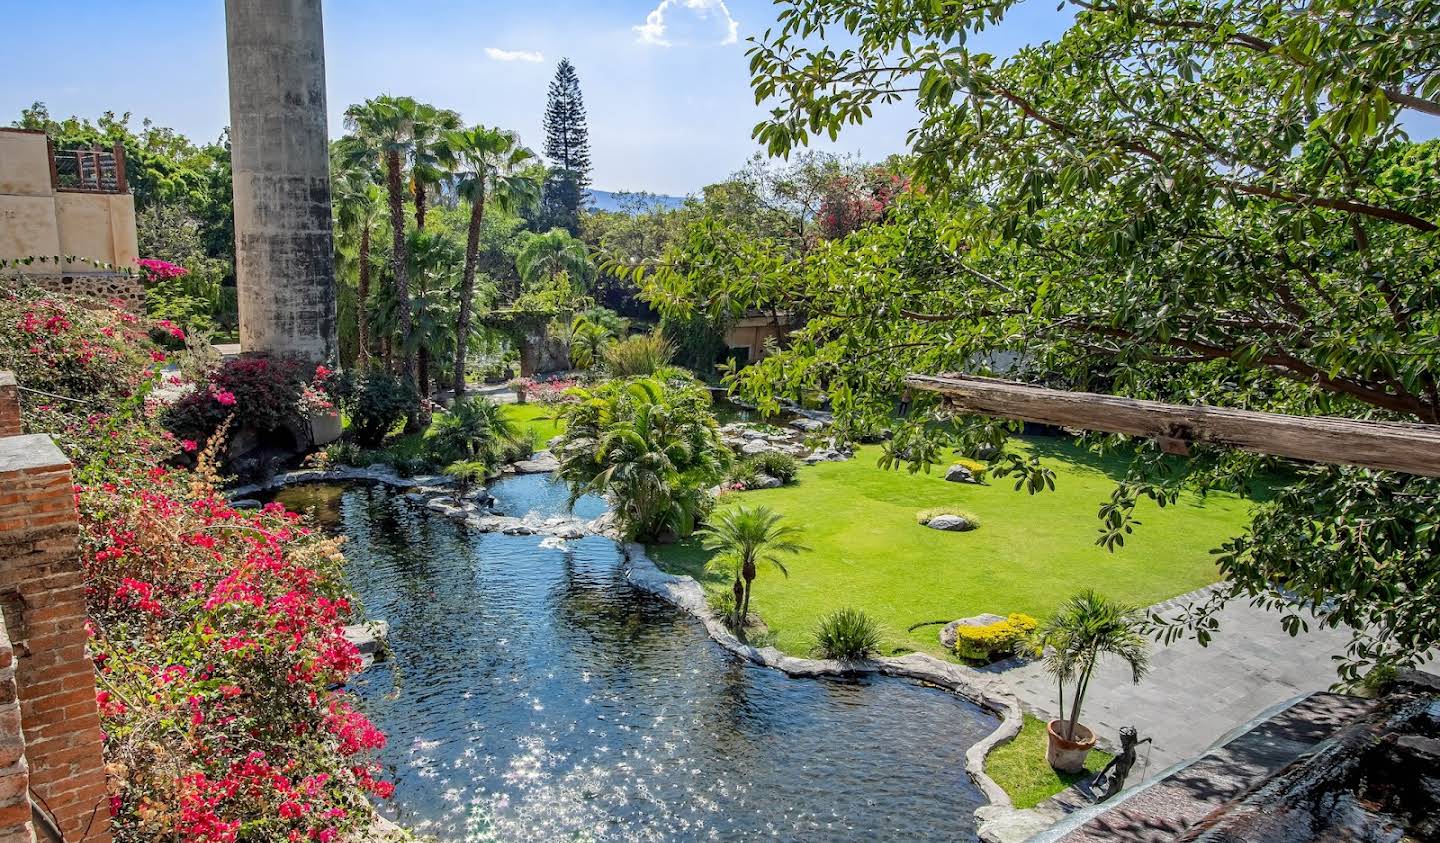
x=1019, y=766
x=1031, y=552
x=537, y=419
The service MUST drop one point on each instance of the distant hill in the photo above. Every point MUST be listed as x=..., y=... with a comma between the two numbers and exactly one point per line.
x=634, y=203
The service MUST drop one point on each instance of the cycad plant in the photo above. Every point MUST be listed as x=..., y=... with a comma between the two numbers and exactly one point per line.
x=588, y=342
x=1084, y=628
x=474, y=431
x=743, y=538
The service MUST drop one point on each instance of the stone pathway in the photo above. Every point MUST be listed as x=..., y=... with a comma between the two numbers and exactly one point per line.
x=1194, y=695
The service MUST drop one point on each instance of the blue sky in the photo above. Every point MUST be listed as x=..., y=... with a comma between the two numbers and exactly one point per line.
x=669, y=103
x=665, y=81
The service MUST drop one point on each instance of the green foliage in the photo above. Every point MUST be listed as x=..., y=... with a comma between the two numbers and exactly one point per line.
x=654, y=447
x=640, y=355
x=472, y=431
x=555, y=267
x=1084, y=628
x=567, y=146
x=847, y=634
x=588, y=342
x=1020, y=768
x=782, y=467
x=468, y=473
x=925, y=516
x=1097, y=214
x=1002, y=638
x=374, y=401
x=741, y=538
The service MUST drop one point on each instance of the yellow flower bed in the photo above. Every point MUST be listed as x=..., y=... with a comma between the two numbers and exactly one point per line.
x=997, y=639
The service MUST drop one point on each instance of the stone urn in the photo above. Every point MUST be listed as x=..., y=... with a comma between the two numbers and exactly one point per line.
x=1068, y=754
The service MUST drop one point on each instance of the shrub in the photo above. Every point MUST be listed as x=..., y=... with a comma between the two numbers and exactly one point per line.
x=638, y=356
x=722, y=606
x=924, y=516
x=782, y=467
x=847, y=634
x=467, y=474
x=259, y=392
x=375, y=402
x=742, y=475
x=991, y=641
x=473, y=430
x=976, y=467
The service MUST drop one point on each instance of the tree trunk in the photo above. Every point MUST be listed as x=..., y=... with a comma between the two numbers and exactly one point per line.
x=399, y=259
x=419, y=204
x=362, y=294
x=738, y=619
x=748, y=573
x=422, y=371
x=467, y=292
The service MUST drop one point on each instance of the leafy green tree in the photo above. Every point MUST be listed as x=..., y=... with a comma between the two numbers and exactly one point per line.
x=492, y=167
x=358, y=203
x=741, y=538
x=652, y=446
x=567, y=146
x=588, y=341
x=436, y=265
x=1172, y=201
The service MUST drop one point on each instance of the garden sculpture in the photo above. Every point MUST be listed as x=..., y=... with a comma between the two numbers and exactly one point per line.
x=1119, y=767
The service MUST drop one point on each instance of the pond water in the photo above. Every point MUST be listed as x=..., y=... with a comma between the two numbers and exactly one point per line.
x=534, y=695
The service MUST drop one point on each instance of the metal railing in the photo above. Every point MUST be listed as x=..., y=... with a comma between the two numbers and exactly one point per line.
x=89, y=170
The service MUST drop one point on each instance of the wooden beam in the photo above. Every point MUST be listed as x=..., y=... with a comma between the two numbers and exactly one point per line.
x=1412, y=448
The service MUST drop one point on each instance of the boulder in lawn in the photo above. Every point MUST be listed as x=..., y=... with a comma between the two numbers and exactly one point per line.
x=960, y=474
x=950, y=523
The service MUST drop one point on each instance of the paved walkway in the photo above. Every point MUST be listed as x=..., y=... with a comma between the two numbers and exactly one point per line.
x=1193, y=695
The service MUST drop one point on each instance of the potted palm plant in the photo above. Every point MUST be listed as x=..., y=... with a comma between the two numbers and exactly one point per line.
x=1084, y=628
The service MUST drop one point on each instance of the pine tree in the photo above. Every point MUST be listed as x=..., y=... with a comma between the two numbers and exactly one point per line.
x=567, y=145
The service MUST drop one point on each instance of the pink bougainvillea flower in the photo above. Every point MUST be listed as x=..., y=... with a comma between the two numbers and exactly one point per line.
x=189, y=445
x=225, y=397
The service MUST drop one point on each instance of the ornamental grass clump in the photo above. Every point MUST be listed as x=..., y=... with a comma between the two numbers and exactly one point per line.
x=848, y=635
x=215, y=633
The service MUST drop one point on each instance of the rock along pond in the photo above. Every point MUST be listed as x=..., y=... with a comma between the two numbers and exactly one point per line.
x=533, y=694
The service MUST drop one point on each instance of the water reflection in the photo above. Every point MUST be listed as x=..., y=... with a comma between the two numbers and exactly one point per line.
x=536, y=696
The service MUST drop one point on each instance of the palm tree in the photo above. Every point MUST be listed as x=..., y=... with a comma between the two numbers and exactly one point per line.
x=383, y=132
x=588, y=341
x=1084, y=628
x=742, y=537
x=474, y=431
x=428, y=152
x=435, y=266
x=357, y=203
x=491, y=167
x=546, y=258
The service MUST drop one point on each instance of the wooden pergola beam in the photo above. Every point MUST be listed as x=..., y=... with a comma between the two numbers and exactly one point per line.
x=1397, y=447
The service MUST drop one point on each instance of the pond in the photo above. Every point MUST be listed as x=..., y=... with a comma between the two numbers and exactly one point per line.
x=534, y=695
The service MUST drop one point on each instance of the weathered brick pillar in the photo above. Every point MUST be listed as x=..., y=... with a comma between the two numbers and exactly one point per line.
x=14, y=774
x=42, y=595
x=9, y=405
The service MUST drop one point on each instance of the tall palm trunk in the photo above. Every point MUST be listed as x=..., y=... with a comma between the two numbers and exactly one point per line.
x=739, y=620
x=467, y=292
x=419, y=204
x=422, y=369
x=362, y=293
x=399, y=257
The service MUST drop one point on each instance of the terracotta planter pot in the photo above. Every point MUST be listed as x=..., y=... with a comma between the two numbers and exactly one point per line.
x=1065, y=755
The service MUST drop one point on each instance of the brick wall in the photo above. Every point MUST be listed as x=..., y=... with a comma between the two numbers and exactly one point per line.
x=9, y=405
x=14, y=774
x=42, y=596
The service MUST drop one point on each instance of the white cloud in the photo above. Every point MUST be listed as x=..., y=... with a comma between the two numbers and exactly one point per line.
x=514, y=55
x=679, y=23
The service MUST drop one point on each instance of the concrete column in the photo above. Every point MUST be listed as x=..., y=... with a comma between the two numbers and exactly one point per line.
x=285, y=260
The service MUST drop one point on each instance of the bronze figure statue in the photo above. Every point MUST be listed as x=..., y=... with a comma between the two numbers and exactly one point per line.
x=1119, y=767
